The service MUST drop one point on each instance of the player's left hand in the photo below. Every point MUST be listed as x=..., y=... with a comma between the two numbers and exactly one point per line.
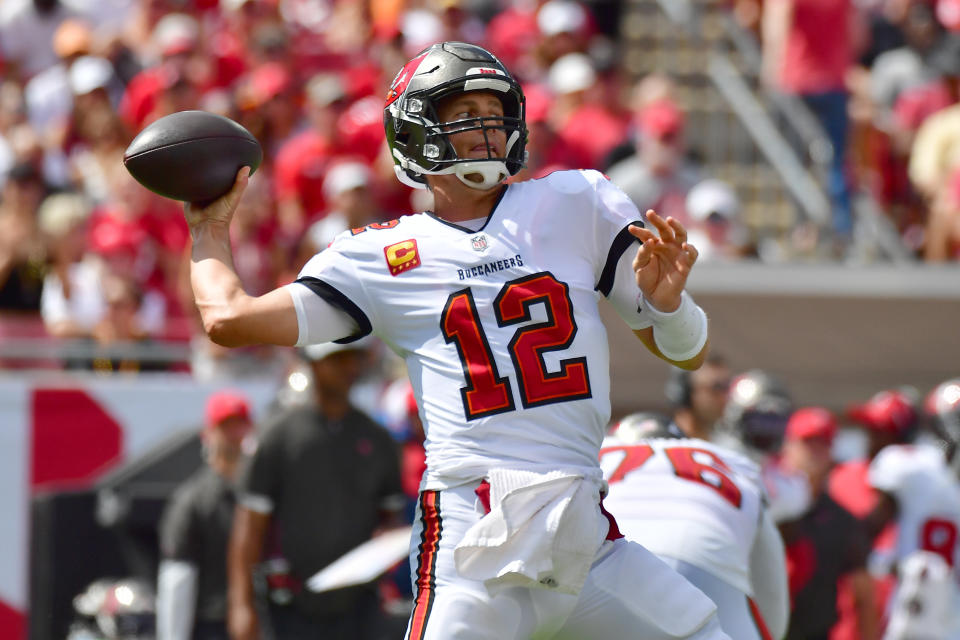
x=663, y=261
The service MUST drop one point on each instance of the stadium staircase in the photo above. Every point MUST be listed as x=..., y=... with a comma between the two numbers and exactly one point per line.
x=766, y=144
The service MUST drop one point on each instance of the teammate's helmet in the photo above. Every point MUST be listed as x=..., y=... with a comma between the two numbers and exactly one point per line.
x=942, y=407
x=894, y=412
x=644, y=424
x=757, y=410
x=418, y=143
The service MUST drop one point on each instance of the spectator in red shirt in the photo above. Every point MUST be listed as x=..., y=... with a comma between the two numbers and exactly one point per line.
x=808, y=49
x=268, y=97
x=301, y=162
x=181, y=66
x=547, y=151
x=513, y=35
x=584, y=123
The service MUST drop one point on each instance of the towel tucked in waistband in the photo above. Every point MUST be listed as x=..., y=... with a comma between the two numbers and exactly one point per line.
x=543, y=530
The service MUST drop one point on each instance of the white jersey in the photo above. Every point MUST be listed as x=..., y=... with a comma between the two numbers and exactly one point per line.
x=500, y=327
x=686, y=499
x=928, y=499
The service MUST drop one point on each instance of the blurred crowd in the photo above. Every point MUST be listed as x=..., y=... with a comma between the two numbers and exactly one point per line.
x=87, y=253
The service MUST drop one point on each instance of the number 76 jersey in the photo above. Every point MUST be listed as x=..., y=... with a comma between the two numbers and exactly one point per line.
x=686, y=499
x=499, y=327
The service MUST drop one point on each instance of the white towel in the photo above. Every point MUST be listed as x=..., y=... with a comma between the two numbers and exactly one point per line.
x=543, y=530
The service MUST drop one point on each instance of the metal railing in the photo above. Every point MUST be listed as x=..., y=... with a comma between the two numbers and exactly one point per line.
x=788, y=137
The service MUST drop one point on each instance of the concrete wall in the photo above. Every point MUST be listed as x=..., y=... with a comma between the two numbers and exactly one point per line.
x=834, y=335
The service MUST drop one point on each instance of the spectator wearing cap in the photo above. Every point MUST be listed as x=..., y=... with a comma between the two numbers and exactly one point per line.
x=95, y=136
x=547, y=150
x=195, y=528
x=658, y=175
x=565, y=27
x=296, y=517
x=716, y=228
x=347, y=190
x=302, y=162
x=267, y=98
x=826, y=543
x=175, y=64
x=48, y=94
x=577, y=114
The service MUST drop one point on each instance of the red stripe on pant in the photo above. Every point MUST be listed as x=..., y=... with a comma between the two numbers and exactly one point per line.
x=758, y=620
x=426, y=563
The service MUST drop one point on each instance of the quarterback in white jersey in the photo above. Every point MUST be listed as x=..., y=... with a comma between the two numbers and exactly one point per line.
x=700, y=507
x=492, y=300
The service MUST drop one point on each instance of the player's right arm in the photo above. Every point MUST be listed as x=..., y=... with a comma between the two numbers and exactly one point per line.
x=231, y=317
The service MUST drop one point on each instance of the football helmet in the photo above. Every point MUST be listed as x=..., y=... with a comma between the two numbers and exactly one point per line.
x=942, y=407
x=757, y=411
x=892, y=411
x=644, y=424
x=419, y=143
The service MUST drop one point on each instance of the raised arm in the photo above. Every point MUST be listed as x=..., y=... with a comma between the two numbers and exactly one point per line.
x=661, y=266
x=231, y=317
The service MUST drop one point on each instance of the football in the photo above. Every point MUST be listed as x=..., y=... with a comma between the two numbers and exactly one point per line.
x=192, y=156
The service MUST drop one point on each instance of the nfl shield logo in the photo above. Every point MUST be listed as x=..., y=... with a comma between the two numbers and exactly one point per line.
x=479, y=242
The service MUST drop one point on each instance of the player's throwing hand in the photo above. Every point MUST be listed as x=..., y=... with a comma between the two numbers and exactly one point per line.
x=663, y=261
x=220, y=210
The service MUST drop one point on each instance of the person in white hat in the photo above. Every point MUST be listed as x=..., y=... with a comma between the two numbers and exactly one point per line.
x=715, y=225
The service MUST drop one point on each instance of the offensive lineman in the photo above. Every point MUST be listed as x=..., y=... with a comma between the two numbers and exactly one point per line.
x=919, y=489
x=700, y=507
x=492, y=301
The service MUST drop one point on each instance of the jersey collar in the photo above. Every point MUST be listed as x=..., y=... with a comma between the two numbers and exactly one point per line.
x=458, y=227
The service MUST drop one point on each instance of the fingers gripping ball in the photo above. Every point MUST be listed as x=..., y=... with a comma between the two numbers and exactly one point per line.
x=192, y=156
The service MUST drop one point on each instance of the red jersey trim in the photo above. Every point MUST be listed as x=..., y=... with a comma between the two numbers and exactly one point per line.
x=426, y=576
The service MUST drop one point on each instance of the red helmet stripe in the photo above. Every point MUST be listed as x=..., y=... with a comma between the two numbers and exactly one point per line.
x=399, y=84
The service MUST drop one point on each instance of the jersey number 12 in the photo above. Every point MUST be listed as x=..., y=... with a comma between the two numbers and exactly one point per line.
x=487, y=392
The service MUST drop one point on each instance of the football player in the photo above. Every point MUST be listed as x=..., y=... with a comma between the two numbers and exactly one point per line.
x=699, y=507
x=919, y=489
x=491, y=298
x=754, y=421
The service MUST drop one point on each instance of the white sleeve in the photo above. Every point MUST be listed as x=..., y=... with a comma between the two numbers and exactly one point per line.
x=176, y=599
x=768, y=576
x=625, y=296
x=317, y=319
